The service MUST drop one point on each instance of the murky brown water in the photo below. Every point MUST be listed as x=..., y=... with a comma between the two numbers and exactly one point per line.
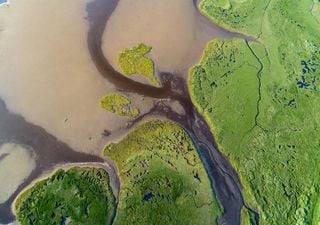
x=50, y=151
x=152, y=22
x=175, y=29
x=47, y=75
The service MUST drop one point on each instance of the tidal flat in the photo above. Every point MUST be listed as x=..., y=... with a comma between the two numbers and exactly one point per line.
x=47, y=74
x=175, y=29
x=16, y=164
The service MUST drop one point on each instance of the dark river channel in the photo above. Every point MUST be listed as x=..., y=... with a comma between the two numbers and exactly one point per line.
x=224, y=178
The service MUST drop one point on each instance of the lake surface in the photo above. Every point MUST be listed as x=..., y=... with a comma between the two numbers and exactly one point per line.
x=60, y=64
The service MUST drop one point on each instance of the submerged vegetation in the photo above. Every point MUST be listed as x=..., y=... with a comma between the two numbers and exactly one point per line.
x=261, y=100
x=76, y=196
x=119, y=105
x=163, y=180
x=133, y=61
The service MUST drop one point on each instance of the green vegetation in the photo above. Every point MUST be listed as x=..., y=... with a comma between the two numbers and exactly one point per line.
x=133, y=61
x=316, y=214
x=119, y=105
x=261, y=100
x=227, y=64
x=163, y=180
x=247, y=217
x=76, y=196
x=243, y=16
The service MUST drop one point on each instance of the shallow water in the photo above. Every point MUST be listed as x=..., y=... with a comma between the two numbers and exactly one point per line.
x=167, y=25
x=47, y=151
x=47, y=75
x=175, y=30
x=16, y=164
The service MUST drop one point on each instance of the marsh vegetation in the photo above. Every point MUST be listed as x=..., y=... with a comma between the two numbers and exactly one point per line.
x=260, y=99
x=163, y=180
x=134, y=61
x=120, y=105
x=73, y=196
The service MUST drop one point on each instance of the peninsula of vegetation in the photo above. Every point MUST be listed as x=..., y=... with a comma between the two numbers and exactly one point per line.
x=163, y=181
x=261, y=100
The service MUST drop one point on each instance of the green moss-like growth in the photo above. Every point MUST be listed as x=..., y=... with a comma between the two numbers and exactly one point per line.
x=119, y=105
x=133, y=61
x=163, y=180
x=76, y=196
x=261, y=100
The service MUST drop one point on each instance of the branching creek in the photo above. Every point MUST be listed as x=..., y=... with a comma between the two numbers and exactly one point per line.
x=225, y=180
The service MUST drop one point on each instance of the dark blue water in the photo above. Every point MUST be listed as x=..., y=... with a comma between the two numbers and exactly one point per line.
x=148, y=196
x=3, y=1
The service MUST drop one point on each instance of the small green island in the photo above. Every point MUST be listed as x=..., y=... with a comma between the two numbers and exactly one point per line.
x=133, y=61
x=75, y=196
x=163, y=180
x=261, y=100
x=120, y=105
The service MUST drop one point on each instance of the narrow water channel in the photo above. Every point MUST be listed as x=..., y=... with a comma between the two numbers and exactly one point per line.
x=223, y=176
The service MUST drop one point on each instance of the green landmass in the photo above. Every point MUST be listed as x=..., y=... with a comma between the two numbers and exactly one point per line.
x=119, y=105
x=261, y=100
x=236, y=15
x=77, y=196
x=133, y=61
x=163, y=180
